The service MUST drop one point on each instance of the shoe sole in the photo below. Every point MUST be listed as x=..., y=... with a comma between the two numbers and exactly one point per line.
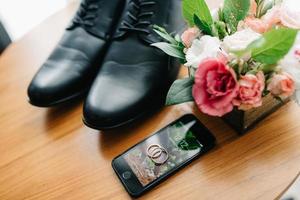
x=59, y=102
x=121, y=124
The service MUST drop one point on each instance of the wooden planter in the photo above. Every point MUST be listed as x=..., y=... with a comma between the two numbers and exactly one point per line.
x=242, y=121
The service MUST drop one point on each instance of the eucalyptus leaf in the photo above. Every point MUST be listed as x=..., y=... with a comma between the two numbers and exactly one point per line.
x=273, y=45
x=177, y=38
x=235, y=11
x=170, y=49
x=180, y=91
x=196, y=7
x=164, y=34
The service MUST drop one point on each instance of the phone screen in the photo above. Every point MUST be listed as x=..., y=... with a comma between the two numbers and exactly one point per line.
x=164, y=151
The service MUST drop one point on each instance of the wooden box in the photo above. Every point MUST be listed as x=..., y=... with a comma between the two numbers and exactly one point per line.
x=242, y=121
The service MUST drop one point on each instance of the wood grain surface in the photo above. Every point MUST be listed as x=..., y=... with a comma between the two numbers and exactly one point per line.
x=50, y=154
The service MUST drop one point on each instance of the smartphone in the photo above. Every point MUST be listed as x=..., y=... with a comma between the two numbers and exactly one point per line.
x=157, y=157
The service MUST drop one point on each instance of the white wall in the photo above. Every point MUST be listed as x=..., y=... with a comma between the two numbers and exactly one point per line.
x=20, y=16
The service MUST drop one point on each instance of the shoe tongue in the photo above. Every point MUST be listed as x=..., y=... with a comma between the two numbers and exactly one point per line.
x=102, y=17
x=135, y=1
x=161, y=10
x=89, y=1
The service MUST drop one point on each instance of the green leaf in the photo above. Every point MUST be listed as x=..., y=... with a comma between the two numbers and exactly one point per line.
x=235, y=11
x=204, y=12
x=170, y=49
x=196, y=7
x=164, y=34
x=192, y=141
x=203, y=26
x=180, y=91
x=266, y=68
x=273, y=45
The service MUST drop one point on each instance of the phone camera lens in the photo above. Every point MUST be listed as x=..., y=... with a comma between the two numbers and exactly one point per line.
x=126, y=175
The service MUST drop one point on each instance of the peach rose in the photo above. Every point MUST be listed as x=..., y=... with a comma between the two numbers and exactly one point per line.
x=189, y=35
x=250, y=91
x=282, y=85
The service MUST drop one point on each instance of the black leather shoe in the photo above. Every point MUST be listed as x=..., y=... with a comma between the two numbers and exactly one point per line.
x=72, y=66
x=135, y=77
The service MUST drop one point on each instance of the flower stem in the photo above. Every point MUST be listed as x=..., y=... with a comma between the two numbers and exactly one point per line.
x=189, y=70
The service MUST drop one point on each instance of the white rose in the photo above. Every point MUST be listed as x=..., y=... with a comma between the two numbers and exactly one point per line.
x=291, y=64
x=206, y=47
x=240, y=40
x=290, y=13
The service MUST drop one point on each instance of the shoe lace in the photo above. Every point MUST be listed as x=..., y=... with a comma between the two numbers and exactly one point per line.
x=86, y=14
x=139, y=18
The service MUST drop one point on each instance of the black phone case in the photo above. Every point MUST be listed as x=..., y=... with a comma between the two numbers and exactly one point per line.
x=165, y=176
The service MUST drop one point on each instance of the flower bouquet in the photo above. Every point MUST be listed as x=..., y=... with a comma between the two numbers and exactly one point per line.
x=243, y=58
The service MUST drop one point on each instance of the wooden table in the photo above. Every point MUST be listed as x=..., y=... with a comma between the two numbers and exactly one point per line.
x=50, y=154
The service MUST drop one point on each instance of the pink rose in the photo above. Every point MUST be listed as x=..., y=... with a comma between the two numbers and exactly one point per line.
x=189, y=35
x=215, y=87
x=253, y=8
x=250, y=91
x=282, y=85
x=256, y=24
x=266, y=23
